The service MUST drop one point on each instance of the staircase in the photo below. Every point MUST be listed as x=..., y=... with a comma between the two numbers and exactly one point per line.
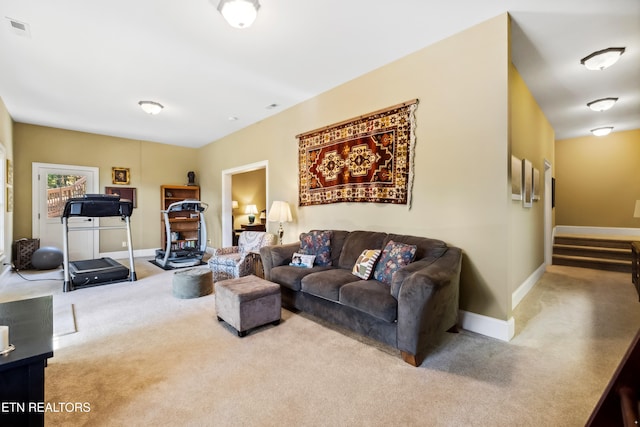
x=596, y=252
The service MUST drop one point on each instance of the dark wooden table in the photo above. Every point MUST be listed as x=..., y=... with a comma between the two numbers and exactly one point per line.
x=30, y=324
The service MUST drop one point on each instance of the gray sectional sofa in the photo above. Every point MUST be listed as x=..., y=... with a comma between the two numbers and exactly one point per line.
x=410, y=313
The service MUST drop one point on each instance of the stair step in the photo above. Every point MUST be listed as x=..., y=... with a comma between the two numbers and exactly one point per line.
x=620, y=242
x=594, y=263
x=593, y=251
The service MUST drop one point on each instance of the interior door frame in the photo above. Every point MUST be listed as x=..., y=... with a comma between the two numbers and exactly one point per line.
x=227, y=226
x=36, y=168
x=548, y=214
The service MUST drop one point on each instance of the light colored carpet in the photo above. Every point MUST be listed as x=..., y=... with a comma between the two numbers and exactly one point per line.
x=142, y=357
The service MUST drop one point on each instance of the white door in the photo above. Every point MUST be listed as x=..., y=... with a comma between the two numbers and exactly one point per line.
x=53, y=185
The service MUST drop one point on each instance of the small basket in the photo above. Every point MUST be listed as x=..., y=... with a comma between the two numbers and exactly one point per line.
x=22, y=250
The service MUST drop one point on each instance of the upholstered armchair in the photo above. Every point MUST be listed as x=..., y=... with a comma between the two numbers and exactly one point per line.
x=238, y=261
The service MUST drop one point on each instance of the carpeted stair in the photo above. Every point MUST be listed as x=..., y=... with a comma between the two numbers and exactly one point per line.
x=596, y=252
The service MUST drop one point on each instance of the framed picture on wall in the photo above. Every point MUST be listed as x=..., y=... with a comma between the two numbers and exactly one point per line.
x=120, y=176
x=124, y=193
x=536, y=185
x=527, y=183
x=516, y=178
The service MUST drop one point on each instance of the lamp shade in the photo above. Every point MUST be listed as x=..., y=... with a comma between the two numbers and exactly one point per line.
x=239, y=13
x=251, y=210
x=280, y=212
x=234, y=204
x=636, y=212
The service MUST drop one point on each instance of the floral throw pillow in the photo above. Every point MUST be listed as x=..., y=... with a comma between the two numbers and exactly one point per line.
x=363, y=268
x=394, y=257
x=317, y=243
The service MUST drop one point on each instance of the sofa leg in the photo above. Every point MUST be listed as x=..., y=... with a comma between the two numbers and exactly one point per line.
x=411, y=359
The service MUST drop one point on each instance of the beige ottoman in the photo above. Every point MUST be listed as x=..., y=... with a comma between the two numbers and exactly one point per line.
x=192, y=283
x=247, y=302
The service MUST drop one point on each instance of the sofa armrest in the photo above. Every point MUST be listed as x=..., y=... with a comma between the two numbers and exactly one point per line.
x=225, y=251
x=428, y=302
x=273, y=256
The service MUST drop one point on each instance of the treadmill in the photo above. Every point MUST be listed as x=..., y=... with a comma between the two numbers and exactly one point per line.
x=101, y=271
x=173, y=256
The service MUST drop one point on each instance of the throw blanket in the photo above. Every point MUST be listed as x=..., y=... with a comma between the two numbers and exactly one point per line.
x=367, y=159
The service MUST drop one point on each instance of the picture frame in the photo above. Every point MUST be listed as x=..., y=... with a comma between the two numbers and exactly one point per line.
x=536, y=185
x=516, y=178
x=527, y=183
x=9, y=201
x=124, y=193
x=9, y=172
x=120, y=176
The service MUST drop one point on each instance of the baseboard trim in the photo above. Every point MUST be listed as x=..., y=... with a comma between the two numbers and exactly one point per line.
x=605, y=231
x=522, y=291
x=502, y=330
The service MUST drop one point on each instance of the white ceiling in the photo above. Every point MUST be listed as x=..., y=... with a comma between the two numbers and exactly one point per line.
x=86, y=64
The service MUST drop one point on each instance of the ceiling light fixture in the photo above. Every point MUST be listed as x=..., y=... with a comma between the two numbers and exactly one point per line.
x=602, y=131
x=603, y=58
x=151, y=107
x=239, y=13
x=602, y=104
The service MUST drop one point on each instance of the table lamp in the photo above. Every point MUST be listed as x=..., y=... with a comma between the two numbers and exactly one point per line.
x=280, y=212
x=252, y=210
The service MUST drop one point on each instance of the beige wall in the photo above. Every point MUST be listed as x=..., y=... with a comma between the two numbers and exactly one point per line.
x=248, y=188
x=460, y=191
x=6, y=140
x=598, y=180
x=150, y=164
x=532, y=138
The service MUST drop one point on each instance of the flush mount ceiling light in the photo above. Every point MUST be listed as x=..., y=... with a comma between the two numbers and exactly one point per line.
x=151, y=107
x=602, y=131
x=603, y=58
x=239, y=13
x=602, y=104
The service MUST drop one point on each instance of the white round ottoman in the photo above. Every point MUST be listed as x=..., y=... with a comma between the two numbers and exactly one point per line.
x=192, y=283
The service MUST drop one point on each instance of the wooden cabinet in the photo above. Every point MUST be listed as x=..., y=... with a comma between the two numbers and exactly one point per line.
x=183, y=224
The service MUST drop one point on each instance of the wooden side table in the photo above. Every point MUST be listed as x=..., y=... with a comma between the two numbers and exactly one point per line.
x=30, y=324
x=257, y=267
x=253, y=227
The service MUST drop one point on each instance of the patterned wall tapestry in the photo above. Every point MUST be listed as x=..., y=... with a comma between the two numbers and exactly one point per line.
x=366, y=159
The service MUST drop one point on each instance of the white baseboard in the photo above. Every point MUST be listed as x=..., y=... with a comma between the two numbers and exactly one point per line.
x=526, y=286
x=605, y=231
x=502, y=330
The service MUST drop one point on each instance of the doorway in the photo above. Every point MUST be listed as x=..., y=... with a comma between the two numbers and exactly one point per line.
x=548, y=214
x=227, y=200
x=52, y=186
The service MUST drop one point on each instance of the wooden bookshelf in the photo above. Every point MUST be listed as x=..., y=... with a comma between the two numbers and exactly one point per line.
x=184, y=223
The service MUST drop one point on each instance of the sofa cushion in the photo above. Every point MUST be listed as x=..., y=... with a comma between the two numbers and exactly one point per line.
x=426, y=247
x=356, y=242
x=371, y=297
x=363, y=268
x=317, y=243
x=290, y=277
x=394, y=257
x=326, y=284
